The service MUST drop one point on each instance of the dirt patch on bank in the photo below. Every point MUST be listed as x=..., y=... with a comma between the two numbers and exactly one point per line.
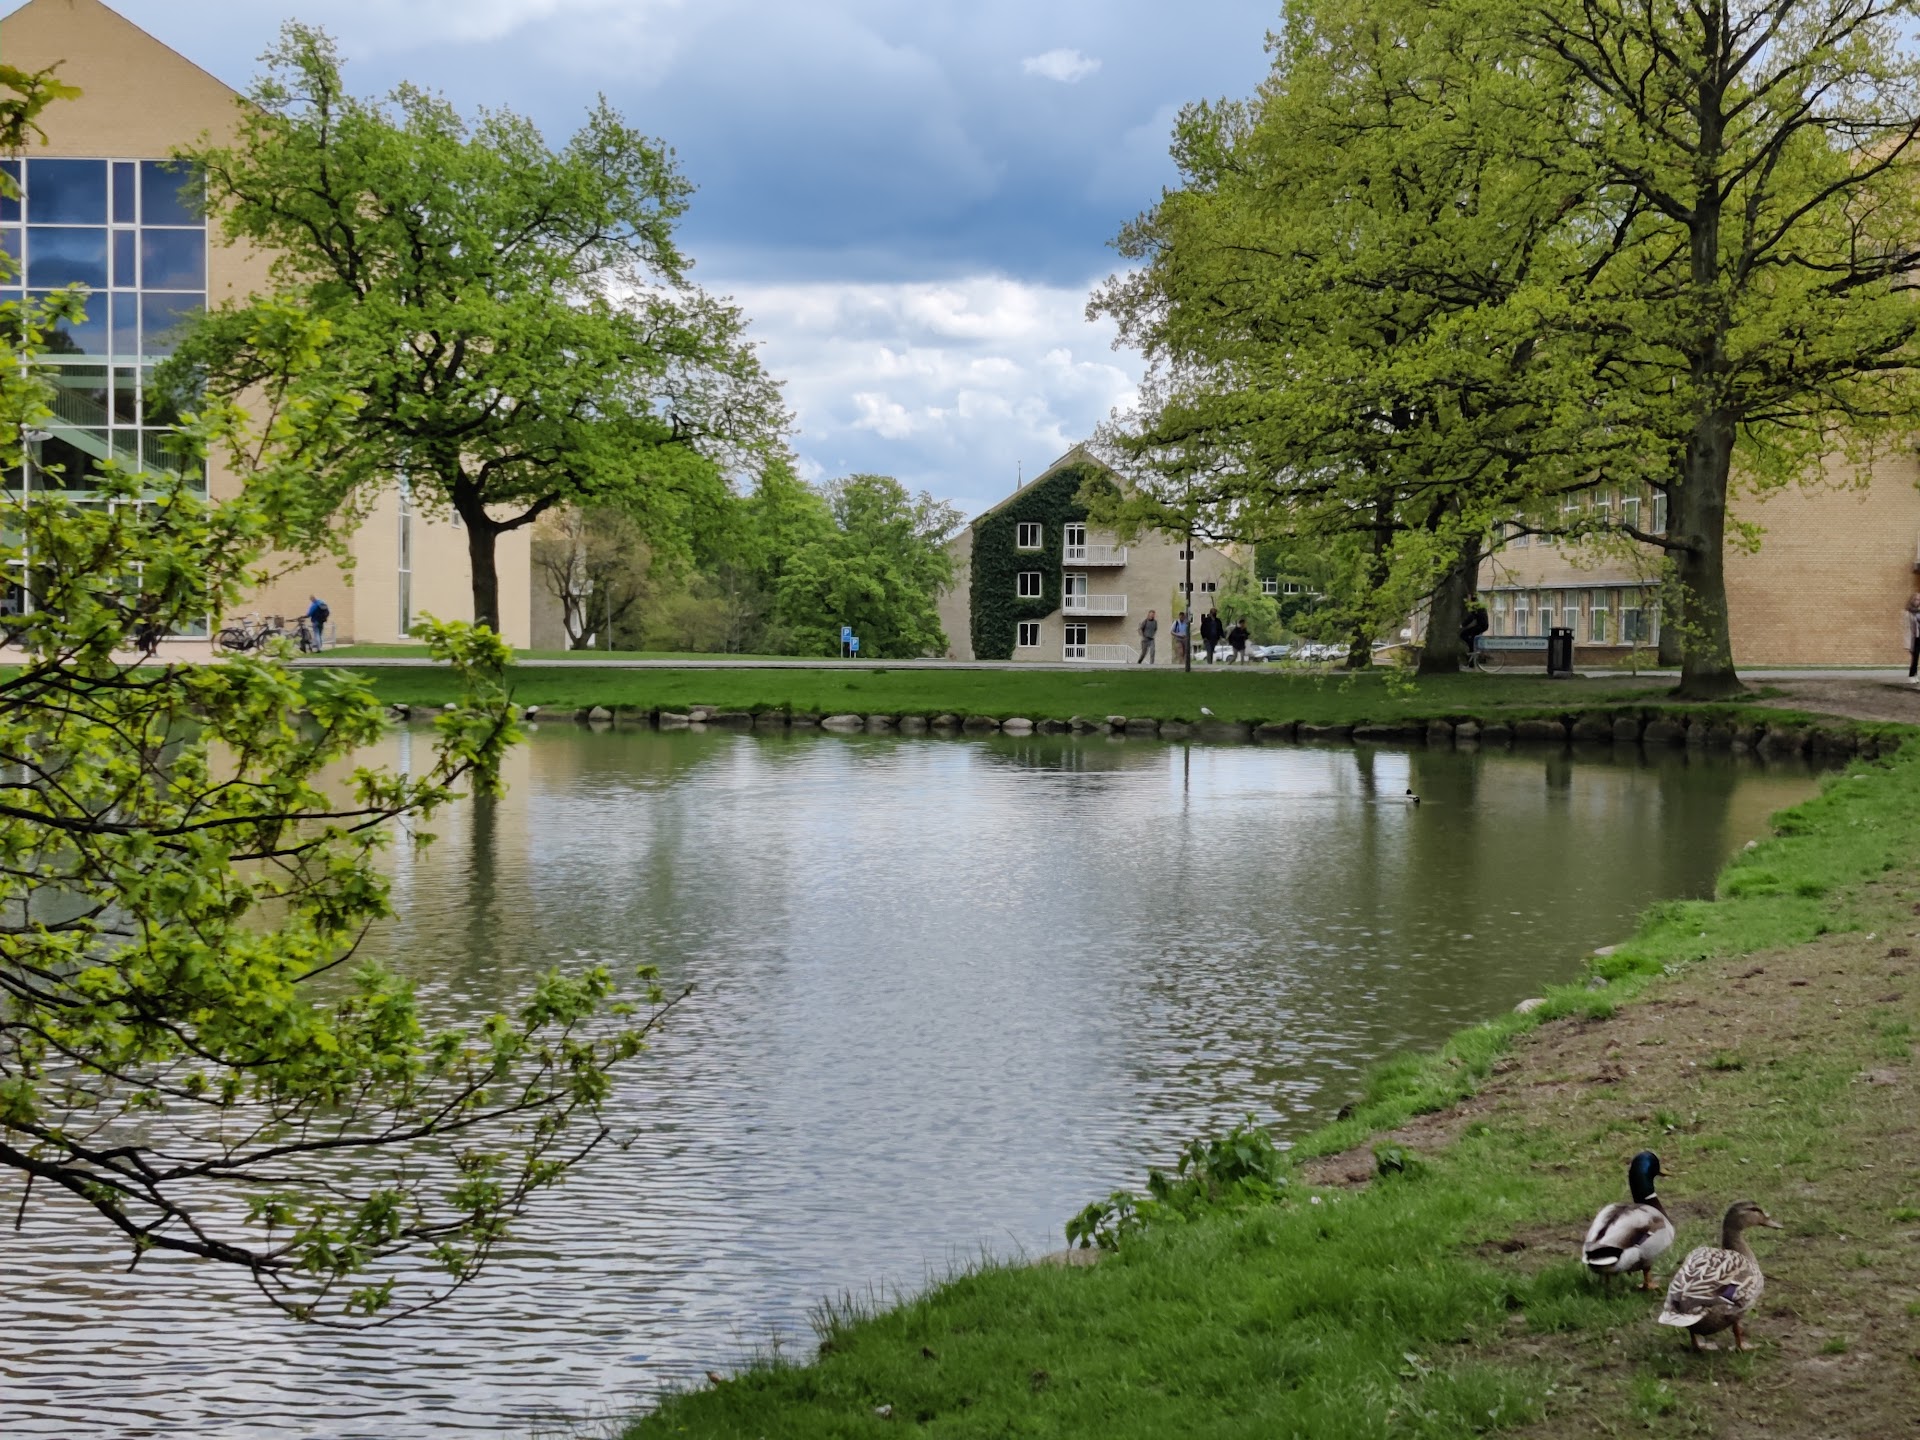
x=1789, y=1078
x=1878, y=699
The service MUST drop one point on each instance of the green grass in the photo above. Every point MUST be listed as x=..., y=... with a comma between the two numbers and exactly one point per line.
x=419, y=652
x=1244, y=695
x=1376, y=1313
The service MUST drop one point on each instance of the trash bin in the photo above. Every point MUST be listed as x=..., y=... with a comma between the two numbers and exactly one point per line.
x=1559, y=651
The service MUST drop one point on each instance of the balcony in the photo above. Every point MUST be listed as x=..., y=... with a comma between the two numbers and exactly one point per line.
x=1099, y=606
x=1072, y=554
x=1100, y=654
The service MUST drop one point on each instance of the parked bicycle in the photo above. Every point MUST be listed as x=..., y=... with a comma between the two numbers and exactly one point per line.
x=252, y=633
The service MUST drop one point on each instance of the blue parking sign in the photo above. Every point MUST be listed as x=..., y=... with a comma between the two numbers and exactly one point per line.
x=855, y=642
x=846, y=634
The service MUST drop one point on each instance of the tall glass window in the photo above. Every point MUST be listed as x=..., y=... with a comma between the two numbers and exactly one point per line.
x=132, y=234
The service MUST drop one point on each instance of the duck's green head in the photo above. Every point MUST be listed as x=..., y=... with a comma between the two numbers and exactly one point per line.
x=1641, y=1173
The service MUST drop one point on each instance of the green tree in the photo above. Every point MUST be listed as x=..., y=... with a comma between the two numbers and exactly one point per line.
x=514, y=320
x=190, y=1043
x=1343, y=305
x=881, y=571
x=596, y=564
x=1754, y=215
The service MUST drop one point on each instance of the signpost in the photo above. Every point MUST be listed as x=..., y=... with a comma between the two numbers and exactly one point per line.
x=847, y=643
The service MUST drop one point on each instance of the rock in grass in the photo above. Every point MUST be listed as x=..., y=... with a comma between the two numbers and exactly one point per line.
x=1467, y=732
x=1276, y=730
x=731, y=719
x=1324, y=732
x=1080, y=725
x=1140, y=726
x=1535, y=731
x=1223, y=730
x=1527, y=1007
x=913, y=724
x=803, y=721
x=673, y=720
x=979, y=724
x=1496, y=732
x=1439, y=733
x=599, y=715
x=1017, y=725
x=879, y=724
x=1593, y=727
x=1175, y=730
x=770, y=720
x=1664, y=732
x=946, y=722
x=1116, y=723
x=843, y=724
x=1626, y=730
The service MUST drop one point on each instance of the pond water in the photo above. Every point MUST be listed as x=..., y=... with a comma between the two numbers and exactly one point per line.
x=947, y=992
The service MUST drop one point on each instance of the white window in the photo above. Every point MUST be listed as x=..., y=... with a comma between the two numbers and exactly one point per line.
x=1029, y=585
x=1270, y=586
x=1520, y=615
x=1546, y=618
x=1659, y=512
x=1633, y=625
x=404, y=574
x=1500, y=620
x=1073, y=591
x=1075, y=646
x=1209, y=587
x=1029, y=536
x=1029, y=634
x=1074, y=546
x=1183, y=554
x=1597, y=622
x=1294, y=587
x=1630, y=510
x=1603, y=505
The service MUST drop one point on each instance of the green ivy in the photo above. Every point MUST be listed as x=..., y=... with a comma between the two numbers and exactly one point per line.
x=1054, y=501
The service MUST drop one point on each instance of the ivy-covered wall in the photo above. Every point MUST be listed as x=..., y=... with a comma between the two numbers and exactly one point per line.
x=996, y=609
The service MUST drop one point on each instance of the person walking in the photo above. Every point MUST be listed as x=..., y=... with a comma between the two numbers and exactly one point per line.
x=1473, y=625
x=317, y=616
x=1210, y=632
x=1913, y=635
x=1149, y=628
x=1180, y=638
x=1237, y=638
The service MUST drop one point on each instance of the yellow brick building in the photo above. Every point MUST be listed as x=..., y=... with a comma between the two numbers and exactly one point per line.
x=1826, y=587
x=101, y=209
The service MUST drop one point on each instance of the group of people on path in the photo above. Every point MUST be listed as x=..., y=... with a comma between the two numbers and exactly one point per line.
x=1213, y=631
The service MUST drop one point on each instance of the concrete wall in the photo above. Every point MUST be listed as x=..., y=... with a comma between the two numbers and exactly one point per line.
x=139, y=101
x=955, y=606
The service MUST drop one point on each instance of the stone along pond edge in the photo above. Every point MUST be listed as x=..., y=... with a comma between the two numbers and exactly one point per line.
x=1739, y=729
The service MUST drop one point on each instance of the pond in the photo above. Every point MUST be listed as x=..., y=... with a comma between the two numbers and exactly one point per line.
x=947, y=992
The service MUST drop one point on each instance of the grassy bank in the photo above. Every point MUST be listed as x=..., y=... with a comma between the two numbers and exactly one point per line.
x=1761, y=1041
x=1251, y=694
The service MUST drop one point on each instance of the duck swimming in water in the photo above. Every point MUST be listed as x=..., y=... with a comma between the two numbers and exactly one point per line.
x=1630, y=1237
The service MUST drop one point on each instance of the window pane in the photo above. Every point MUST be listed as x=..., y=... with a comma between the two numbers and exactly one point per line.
x=164, y=453
x=72, y=453
x=173, y=259
x=126, y=394
x=10, y=247
x=79, y=394
x=126, y=326
x=66, y=257
x=125, y=277
x=80, y=337
x=67, y=192
x=125, y=176
x=162, y=317
x=10, y=201
x=170, y=194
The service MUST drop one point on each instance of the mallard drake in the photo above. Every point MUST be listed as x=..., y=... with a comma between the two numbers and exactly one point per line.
x=1716, y=1285
x=1626, y=1238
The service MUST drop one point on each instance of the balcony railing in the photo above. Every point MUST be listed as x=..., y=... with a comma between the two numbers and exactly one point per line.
x=1100, y=654
x=1094, y=554
x=1108, y=605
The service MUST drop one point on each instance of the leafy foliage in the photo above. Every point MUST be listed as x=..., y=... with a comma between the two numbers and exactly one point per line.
x=1229, y=1172
x=880, y=570
x=190, y=1041
x=1053, y=501
x=514, y=320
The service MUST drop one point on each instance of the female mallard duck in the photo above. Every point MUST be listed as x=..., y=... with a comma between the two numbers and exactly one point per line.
x=1626, y=1238
x=1716, y=1285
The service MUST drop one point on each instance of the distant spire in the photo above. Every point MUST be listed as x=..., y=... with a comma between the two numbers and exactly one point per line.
x=1019, y=473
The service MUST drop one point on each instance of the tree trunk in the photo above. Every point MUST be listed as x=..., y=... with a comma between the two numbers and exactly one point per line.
x=1706, y=666
x=481, y=534
x=1360, y=639
x=1443, y=652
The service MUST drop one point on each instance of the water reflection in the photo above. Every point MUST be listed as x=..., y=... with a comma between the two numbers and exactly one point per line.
x=946, y=992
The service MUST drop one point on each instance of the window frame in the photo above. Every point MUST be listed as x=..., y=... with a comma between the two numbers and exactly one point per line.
x=1022, y=579
x=1021, y=530
x=1027, y=635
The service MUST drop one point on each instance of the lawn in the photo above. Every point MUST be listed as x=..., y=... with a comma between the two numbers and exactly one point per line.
x=1762, y=1042
x=1251, y=694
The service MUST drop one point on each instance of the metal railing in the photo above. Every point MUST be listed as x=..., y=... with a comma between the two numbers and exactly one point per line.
x=1094, y=554
x=1100, y=654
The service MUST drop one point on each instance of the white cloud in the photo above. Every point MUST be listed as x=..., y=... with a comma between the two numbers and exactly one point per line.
x=1069, y=67
x=957, y=386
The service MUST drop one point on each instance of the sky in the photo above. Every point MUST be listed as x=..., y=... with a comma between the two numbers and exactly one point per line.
x=912, y=199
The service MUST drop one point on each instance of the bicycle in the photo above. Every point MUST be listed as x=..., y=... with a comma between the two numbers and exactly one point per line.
x=252, y=633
